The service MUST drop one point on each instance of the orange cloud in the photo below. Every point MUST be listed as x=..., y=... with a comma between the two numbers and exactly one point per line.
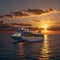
x=29, y=12
x=21, y=24
x=36, y=20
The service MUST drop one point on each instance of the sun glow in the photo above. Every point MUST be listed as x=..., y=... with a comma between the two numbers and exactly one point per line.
x=45, y=28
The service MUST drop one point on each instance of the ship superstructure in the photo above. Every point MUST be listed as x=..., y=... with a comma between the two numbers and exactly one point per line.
x=26, y=35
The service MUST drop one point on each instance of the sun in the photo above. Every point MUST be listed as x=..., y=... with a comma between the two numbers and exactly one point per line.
x=45, y=28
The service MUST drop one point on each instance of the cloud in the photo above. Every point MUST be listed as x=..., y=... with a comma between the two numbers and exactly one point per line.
x=54, y=28
x=8, y=15
x=1, y=16
x=34, y=11
x=19, y=13
x=29, y=12
x=21, y=24
x=38, y=11
x=36, y=20
x=14, y=14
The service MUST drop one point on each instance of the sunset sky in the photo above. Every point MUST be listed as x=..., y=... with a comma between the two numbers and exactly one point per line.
x=39, y=13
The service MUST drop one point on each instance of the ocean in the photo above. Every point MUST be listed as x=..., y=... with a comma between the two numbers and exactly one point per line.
x=49, y=49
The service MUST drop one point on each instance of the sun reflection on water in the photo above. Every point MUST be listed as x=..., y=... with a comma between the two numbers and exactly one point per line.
x=45, y=44
x=45, y=37
x=45, y=48
x=20, y=50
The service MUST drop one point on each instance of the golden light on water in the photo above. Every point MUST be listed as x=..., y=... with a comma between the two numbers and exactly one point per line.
x=45, y=48
x=45, y=37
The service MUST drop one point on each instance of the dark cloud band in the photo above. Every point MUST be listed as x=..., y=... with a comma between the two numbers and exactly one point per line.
x=25, y=13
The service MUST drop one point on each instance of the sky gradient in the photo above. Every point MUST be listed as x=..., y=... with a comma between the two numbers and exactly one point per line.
x=39, y=13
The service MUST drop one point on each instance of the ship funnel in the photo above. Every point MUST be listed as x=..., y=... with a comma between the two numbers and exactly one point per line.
x=18, y=28
x=21, y=28
x=25, y=29
x=39, y=32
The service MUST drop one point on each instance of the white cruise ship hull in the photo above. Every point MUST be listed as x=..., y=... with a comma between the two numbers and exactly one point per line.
x=28, y=39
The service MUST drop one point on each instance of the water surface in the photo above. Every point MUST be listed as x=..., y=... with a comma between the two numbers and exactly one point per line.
x=49, y=49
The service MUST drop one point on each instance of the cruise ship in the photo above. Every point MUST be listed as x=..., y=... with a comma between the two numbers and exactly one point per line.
x=24, y=35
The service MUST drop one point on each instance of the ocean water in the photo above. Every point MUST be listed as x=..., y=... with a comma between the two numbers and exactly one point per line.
x=49, y=49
